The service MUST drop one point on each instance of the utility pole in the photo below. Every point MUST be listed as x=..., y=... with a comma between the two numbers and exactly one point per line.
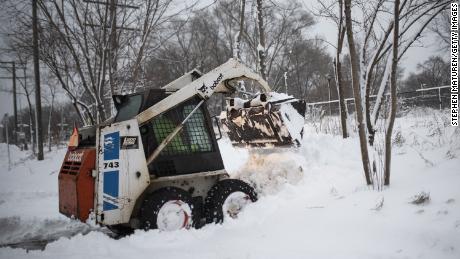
x=38, y=101
x=15, y=104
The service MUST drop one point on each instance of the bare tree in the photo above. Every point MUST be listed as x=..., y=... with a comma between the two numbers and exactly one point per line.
x=261, y=46
x=414, y=18
x=434, y=71
x=240, y=33
x=208, y=38
x=338, y=72
x=375, y=49
x=327, y=10
x=356, y=92
x=97, y=48
x=441, y=28
x=430, y=73
x=153, y=17
x=52, y=93
x=86, y=46
x=28, y=92
x=391, y=120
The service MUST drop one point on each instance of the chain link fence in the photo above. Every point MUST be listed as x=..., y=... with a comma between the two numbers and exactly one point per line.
x=434, y=97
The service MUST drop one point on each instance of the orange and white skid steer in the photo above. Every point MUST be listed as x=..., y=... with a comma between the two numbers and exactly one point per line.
x=157, y=163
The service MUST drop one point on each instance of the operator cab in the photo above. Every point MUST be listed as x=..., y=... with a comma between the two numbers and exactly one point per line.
x=193, y=150
x=130, y=105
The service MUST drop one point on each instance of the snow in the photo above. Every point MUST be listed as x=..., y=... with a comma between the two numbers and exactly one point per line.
x=29, y=198
x=275, y=96
x=174, y=215
x=313, y=203
x=381, y=91
x=260, y=48
x=293, y=121
x=16, y=156
x=28, y=180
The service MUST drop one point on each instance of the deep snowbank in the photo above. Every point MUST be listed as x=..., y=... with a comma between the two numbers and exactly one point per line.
x=313, y=204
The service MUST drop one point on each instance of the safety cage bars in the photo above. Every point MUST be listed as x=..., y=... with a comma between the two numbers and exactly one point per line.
x=193, y=138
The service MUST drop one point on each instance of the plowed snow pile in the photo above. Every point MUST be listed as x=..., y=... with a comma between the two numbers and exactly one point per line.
x=313, y=204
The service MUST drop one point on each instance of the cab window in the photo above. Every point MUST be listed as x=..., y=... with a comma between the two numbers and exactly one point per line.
x=193, y=138
x=129, y=108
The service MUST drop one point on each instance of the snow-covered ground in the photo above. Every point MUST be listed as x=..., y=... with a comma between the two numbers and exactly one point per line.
x=313, y=204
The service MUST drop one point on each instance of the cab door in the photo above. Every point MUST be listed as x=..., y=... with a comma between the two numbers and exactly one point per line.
x=122, y=172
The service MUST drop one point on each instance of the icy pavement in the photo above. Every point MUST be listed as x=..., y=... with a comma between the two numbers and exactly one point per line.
x=313, y=204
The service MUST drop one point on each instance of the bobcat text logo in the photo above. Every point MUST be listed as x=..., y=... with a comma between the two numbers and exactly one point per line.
x=204, y=88
x=75, y=157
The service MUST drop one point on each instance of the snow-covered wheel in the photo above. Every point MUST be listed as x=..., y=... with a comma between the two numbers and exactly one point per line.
x=167, y=209
x=174, y=215
x=227, y=198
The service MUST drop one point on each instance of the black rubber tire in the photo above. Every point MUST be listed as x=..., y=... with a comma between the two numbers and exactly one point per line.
x=154, y=201
x=120, y=231
x=219, y=193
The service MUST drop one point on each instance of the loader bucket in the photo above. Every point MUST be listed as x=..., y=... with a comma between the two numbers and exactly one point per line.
x=273, y=124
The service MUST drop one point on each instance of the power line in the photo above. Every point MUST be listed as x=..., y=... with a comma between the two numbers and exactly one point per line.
x=109, y=27
x=118, y=5
x=10, y=77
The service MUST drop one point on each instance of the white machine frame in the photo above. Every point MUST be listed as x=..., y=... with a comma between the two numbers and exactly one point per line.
x=122, y=175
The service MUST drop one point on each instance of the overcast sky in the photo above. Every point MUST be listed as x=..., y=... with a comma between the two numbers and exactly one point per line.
x=328, y=30
x=323, y=28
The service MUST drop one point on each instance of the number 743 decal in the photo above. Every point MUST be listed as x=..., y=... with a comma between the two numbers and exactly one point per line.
x=111, y=165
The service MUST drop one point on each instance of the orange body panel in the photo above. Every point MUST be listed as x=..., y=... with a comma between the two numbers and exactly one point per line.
x=76, y=184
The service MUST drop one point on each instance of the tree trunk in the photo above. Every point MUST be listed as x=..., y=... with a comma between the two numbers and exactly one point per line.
x=113, y=46
x=342, y=105
x=38, y=101
x=31, y=113
x=393, y=81
x=79, y=112
x=31, y=123
x=357, y=92
x=338, y=73
x=261, y=47
x=65, y=86
x=49, y=123
x=240, y=33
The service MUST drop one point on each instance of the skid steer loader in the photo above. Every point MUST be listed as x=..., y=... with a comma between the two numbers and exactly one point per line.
x=157, y=163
